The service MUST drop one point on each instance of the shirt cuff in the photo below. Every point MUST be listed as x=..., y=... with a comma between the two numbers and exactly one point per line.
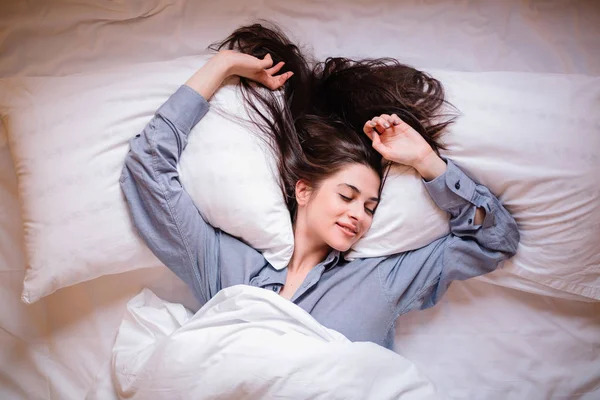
x=184, y=108
x=451, y=189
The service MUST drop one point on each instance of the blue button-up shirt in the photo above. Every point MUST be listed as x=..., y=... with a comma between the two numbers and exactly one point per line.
x=361, y=298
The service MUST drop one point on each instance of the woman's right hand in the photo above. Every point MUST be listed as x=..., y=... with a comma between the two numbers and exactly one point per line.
x=228, y=62
x=261, y=71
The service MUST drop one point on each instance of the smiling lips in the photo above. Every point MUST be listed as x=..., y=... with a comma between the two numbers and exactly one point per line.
x=348, y=229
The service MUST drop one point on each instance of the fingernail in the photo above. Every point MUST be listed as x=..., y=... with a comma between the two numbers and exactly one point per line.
x=396, y=122
x=387, y=125
x=372, y=123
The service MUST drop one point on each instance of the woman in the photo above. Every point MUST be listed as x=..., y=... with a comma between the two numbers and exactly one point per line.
x=332, y=181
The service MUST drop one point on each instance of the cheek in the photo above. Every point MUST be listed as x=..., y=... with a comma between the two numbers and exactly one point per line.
x=324, y=213
x=328, y=207
x=366, y=226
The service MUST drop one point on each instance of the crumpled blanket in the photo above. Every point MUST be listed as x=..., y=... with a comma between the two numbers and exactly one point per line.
x=248, y=343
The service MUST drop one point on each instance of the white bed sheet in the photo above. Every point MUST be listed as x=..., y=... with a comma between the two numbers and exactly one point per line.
x=68, y=36
x=483, y=341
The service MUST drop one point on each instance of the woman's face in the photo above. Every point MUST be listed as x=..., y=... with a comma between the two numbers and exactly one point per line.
x=341, y=210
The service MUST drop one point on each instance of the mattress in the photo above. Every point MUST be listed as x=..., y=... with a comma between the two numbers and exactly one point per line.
x=482, y=342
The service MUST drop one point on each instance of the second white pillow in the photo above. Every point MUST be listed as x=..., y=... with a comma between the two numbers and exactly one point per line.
x=533, y=140
x=69, y=137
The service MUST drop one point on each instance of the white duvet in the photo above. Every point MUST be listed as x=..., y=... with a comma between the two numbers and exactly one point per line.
x=248, y=343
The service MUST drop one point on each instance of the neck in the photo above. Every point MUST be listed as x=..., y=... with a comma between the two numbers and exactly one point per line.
x=307, y=252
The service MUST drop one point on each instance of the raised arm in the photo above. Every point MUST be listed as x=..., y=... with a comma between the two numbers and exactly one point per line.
x=163, y=212
x=482, y=231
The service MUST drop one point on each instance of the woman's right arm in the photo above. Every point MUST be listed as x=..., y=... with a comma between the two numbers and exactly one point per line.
x=162, y=211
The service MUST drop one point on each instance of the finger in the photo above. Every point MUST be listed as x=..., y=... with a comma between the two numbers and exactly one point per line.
x=368, y=128
x=275, y=82
x=381, y=124
x=275, y=69
x=267, y=61
x=388, y=118
x=377, y=145
x=282, y=79
x=383, y=121
x=397, y=121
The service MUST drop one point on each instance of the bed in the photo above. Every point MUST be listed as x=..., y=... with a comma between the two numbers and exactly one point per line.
x=484, y=341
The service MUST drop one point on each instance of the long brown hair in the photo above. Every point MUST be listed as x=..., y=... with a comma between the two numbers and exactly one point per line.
x=315, y=128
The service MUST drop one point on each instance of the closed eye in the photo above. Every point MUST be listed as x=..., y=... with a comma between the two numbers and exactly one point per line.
x=348, y=199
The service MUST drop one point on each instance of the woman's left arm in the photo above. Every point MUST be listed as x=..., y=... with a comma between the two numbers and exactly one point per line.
x=482, y=232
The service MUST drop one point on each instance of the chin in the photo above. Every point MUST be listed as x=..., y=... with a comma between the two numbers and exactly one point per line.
x=341, y=242
x=341, y=245
x=342, y=248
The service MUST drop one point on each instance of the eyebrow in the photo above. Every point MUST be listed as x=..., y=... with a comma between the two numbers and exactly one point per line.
x=355, y=189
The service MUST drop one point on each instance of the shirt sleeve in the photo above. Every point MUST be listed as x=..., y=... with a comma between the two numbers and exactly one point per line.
x=419, y=278
x=162, y=211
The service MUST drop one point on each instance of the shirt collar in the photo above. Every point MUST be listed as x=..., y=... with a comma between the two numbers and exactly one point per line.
x=278, y=276
x=332, y=259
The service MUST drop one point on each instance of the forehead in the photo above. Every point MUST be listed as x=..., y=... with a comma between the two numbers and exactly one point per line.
x=360, y=176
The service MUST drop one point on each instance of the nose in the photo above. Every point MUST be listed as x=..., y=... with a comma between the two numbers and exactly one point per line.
x=356, y=212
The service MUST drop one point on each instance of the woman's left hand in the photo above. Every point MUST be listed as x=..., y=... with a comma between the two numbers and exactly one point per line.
x=398, y=142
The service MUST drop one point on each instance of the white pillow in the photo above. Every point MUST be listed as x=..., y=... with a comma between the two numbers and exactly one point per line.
x=511, y=138
x=534, y=141
x=232, y=177
x=69, y=137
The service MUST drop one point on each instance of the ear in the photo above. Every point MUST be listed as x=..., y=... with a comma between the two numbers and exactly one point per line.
x=303, y=192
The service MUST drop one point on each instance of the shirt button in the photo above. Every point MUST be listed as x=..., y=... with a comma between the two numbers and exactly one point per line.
x=457, y=185
x=274, y=288
x=138, y=135
x=470, y=220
